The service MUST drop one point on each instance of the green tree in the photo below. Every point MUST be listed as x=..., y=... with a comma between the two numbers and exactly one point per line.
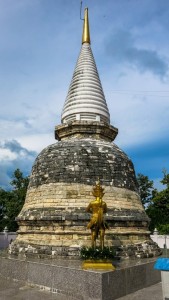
x=146, y=189
x=11, y=202
x=20, y=185
x=165, y=179
x=158, y=210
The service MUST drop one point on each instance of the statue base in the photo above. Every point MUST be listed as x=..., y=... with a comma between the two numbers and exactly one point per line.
x=98, y=265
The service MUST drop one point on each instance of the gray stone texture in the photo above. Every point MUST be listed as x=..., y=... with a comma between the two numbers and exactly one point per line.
x=86, y=129
x=17, y=290
x=79, y=284
x=83, y=161
x=53, y=220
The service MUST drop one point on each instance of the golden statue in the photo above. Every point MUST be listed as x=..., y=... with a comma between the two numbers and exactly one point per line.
x=98, y=208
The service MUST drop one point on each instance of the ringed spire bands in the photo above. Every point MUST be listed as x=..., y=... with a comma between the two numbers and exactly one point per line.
x=85, y=100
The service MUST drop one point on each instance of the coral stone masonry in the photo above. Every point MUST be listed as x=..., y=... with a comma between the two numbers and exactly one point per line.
x=53, y=219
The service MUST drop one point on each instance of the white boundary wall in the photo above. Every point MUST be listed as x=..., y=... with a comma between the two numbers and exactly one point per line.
x=6, y=238
x=161, y=240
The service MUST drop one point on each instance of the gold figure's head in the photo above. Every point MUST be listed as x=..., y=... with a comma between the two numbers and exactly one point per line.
x=98, y=190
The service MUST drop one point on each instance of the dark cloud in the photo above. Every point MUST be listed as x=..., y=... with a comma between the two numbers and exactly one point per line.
x=23, y=160
x=122, y=48
x=15, y=147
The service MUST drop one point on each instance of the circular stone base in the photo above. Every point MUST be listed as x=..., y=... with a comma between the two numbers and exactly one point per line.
x=54, y=220
x=140, y=249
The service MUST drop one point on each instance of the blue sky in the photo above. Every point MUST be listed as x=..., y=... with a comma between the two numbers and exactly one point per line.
x=40, y=43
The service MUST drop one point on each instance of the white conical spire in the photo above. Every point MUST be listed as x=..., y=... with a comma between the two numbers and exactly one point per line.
x=85, y=100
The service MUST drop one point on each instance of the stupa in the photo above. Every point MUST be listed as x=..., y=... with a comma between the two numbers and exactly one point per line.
x=53, y=219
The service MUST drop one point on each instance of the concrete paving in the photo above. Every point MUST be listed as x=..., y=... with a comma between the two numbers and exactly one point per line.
x=154, y=292
x=14, y=290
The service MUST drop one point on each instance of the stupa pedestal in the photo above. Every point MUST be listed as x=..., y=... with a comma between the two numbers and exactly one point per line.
x=66, y=279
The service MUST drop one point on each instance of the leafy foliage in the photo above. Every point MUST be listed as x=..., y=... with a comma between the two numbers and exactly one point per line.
x=158, y=210
x=165, y=179
x=97, y=253
x=163, y=229
x=146, y=189
x=156, y=203
x=11, y=202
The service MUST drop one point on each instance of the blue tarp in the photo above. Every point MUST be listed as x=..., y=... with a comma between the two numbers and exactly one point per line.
x=162, y=264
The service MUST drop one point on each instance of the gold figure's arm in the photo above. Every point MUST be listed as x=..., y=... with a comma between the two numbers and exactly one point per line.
x=88, y=209
x=105, y=208
x=86, y=31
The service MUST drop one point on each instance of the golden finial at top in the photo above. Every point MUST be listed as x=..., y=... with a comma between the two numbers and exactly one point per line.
x=86, y=31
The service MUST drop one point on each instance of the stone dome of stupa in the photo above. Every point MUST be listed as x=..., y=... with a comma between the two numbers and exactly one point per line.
x=53, y=219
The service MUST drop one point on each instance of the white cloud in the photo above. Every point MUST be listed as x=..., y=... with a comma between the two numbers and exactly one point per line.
x=7, y=155
x=37, y=142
